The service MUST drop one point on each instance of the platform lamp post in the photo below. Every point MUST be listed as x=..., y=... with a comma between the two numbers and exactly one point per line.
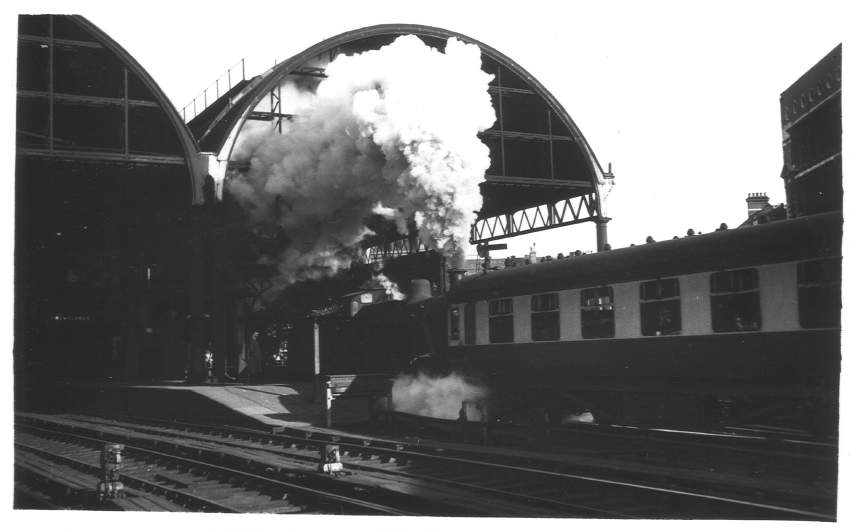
x=195, y=362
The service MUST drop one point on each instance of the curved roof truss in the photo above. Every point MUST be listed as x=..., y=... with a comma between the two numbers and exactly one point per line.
x=195, y=164
x=543, y=172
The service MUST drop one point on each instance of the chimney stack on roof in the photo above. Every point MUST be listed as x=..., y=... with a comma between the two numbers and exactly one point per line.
x=756, y=202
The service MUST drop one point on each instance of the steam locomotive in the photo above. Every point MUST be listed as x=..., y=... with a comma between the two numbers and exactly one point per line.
x=734, y=327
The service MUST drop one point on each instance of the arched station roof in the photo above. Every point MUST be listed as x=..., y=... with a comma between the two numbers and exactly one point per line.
x=72, y=75
x=538, y=154
x=106, y=173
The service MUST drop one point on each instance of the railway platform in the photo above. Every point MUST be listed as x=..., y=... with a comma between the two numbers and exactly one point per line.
x=262, y=405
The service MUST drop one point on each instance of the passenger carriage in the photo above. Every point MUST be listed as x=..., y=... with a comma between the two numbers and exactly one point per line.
x=737, y=326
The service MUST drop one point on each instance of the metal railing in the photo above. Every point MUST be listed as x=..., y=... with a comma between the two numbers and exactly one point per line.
x=394, y=249
x=204, y=98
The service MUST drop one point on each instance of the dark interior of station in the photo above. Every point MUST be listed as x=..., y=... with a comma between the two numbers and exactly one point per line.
x=103, y=196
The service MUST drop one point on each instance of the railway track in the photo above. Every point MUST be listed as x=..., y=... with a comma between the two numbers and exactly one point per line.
x=165, y=482
x=736, y=454
x=405, y=478
x=170, y=463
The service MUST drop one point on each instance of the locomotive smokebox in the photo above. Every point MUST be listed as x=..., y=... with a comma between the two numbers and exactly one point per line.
x=420, y=289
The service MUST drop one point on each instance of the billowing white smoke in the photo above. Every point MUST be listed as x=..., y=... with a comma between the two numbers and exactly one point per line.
x=434, y=397
x=390, y=287
x=390, y=132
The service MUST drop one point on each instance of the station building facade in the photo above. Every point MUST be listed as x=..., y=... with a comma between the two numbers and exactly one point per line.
x=811, y=139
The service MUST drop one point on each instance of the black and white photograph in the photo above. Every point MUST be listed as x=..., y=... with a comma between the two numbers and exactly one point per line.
x=348, y=264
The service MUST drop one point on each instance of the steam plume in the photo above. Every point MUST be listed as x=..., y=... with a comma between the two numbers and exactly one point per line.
x=434, y=397
x=390, y=287
x=391, y=132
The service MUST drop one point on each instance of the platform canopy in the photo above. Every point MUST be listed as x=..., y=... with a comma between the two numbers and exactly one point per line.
x=543, y=173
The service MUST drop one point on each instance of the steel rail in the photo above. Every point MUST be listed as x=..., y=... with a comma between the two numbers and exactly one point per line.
x=345, y=500
x=185, y=498
x=400, y=449
x=668, y=436
x=422, y=504
x=360, y=449
x=628, y=485
x=39, y=487
x=659, y=435
x=348, y=441
x=618, y=484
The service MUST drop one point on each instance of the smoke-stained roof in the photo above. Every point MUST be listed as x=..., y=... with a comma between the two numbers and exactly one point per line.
x=538, y=154
x=93, y=80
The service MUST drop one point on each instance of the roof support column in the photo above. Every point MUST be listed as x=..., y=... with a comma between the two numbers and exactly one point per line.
x=601, y=233
x=501, y=121
x=551, y=146
x=197, y=298
x=220, y=300
x=126, y=105
x=51, y=45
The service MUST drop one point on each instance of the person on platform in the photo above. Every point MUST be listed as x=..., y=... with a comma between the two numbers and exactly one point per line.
x=255, y=358
x=486, y=266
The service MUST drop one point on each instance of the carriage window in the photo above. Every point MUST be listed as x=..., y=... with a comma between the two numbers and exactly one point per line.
x=545, y=317
x=501, y=321
x=469, y=323
x=597, y=312
x=819, y=293
x=660, y=307
x=735, y=301
x=454, y=323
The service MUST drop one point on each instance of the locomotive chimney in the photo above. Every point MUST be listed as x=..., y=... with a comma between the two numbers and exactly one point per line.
x=420, y=289
x=756, y=202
